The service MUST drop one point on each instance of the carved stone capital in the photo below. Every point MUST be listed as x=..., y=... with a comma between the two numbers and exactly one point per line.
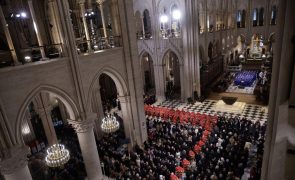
x=82, y=126
x=100, y=2
x=15, y=160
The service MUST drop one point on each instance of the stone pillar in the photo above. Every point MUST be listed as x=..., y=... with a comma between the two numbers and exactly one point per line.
x=143, y=30
x=82, y=9
x=100, y=6
x=8, y=37
x=160, y=81
x=116, y=29
x=88, y=147
x=15, y=166
x=98, y=109
x=39, y=38
x=54, y=18
x=43, y=108
x=127, y=119
x=63, y=111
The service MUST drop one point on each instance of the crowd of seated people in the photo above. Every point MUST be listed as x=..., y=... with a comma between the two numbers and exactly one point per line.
x=174, y=145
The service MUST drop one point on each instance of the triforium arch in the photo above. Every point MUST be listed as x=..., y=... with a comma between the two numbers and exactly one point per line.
x=116, y=77
x=61, y=95
x=176, y=78
x=147, y=71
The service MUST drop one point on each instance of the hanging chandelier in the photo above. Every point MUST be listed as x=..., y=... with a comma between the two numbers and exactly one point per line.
x=109, y=124
x=57, y=155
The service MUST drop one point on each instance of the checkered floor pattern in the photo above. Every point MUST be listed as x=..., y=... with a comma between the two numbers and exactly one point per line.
x=250, y=112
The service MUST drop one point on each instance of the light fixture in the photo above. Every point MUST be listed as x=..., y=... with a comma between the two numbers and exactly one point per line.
x=95, y=47
x=263, y=56
x=241, y=56
x=57, y=155
x=176, y=14
x=85, y=14
x=17, y=15
x=28, y=58
x=164, y=18
x=109, y=124
x=23, y=14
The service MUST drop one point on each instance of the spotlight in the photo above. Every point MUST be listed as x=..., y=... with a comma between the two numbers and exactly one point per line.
x=92, y=13
x=176, y=14
x=85, y=14
x=164, y=18
x=23, y=14
x=27, y=58
x=17, y=15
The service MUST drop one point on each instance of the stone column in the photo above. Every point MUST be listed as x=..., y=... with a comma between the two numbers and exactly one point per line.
x=88, y=147
x=98, y=109
x=43, y=108
x=54, y=21
x=8, y=37
x=63, y=111
x=15, y=166
x=143, y=30
x=82, y=9
x=39, y=38
x=160, y=81
x=100, y=6
x=127, y=119
x=116, y=29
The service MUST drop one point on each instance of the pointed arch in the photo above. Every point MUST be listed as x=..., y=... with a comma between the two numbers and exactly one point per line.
x=68, y=102
x=167, y=50
x=116, y=77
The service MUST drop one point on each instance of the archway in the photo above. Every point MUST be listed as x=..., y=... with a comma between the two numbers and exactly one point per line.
x=172, y=82
x=201, y=56
x=43, y=122
x=147, y=68
x=108, y=92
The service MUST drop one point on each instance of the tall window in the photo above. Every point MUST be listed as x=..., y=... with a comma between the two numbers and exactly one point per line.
x=261, y=16
x=239, y=18
x=255, y=17
x=147, y=24
x=243, y=22
x=273, y=18
x=175, y=21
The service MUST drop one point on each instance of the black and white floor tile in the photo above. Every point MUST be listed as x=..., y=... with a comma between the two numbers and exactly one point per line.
x=250, y=112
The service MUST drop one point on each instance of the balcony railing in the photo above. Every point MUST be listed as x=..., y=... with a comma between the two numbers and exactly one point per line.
x=31, y=54
x=98, y=43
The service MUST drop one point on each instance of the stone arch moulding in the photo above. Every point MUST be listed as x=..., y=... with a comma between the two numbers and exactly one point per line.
x=144, y=51
x=121, y=84
x=60, y=94
x=161, y=4
x=180, y=58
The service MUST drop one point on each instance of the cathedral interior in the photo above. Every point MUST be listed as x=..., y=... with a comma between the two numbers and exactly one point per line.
x=144, y=90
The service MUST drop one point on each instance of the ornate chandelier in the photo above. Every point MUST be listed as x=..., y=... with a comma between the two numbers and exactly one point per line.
x=57, y=155
x=109, y=124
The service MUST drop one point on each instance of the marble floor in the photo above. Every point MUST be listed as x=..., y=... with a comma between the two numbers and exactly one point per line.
x=250, y=111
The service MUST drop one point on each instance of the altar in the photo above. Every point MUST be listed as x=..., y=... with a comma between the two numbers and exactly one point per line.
x=236, y=108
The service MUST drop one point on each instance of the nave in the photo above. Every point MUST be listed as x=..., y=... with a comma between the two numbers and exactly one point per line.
x=189, y=145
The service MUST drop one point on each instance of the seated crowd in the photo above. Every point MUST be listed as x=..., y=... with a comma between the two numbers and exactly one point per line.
x=202, y=147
